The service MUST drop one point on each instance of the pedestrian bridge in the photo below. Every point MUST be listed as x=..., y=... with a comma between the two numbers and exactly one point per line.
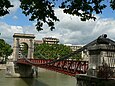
x=101, y=53
x=68, y=67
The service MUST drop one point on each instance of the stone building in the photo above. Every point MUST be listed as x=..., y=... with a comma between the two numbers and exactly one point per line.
x=84, y=54
x=38, y=41
x=49, y=40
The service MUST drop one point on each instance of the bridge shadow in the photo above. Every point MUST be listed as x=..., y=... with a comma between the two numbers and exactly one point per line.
x=33, y=82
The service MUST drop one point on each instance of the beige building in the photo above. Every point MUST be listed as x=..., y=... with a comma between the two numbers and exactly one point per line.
x=49, y=40
x=76, y=47
x=38, y=41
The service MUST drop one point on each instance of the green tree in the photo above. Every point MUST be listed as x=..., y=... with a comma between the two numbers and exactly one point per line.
x=4, y=7
x=77, y=56
x=5, y=50
x=51, y=51
x=43, y=10
x=54, y=51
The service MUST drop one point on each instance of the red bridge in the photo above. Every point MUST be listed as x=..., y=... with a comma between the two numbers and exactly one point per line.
x=68, y=67
x=24, y=67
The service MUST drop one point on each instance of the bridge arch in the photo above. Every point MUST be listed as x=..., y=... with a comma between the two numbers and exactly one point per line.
x=20, y=40
x=23, y=52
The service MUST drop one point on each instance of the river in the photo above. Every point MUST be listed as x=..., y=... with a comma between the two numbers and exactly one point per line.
x=45, y=78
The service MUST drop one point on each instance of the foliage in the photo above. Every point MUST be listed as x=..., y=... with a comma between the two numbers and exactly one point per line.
x=77, y=56
x=42, y=11
x=83, y=8
x=105, y=72
x=5, y=49
x=54, y=51
x=4, y=7
x=51, y=51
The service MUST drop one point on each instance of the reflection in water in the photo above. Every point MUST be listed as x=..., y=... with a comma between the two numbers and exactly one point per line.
x=33, y=82
x=46, y=78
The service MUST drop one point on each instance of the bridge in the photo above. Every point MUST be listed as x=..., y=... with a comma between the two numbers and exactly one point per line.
x=68, y=67
x=101, y=50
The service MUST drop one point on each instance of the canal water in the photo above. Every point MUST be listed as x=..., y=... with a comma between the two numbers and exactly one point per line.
x=45, y=78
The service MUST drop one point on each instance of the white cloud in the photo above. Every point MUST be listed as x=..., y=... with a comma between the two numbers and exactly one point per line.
x=70, y=30
x=12, y=10
x=16, y=4
x=7, y=32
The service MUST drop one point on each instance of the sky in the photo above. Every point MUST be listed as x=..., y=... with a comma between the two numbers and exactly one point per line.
x=69, y=30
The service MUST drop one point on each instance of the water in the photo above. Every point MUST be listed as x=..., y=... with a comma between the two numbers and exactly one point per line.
x=45, y=78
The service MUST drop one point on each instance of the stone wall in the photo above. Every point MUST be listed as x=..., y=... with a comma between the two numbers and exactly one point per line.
x=84, y=80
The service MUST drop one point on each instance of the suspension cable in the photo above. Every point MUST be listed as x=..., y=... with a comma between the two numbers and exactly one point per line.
x=66, y=56
x=107, y=40
x=43, y=57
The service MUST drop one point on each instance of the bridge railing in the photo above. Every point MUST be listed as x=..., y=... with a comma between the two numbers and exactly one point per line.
x=69, y=67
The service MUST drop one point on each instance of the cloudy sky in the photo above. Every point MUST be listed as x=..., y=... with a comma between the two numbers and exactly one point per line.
x=70, y=30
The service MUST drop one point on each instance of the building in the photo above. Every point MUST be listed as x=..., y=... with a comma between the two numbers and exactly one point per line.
x=38, y=41
x=48, y=40
x=74, y=47
x=84, y=54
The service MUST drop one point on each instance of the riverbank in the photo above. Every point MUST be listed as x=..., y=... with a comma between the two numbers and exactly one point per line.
x=2, y=66
x=85, y=80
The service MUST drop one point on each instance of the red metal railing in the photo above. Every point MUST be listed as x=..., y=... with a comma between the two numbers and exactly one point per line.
x=68, y=67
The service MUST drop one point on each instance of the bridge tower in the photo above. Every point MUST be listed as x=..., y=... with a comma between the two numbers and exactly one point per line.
x=101, y=66
x=14, y=70
x=101, y=54
x=23, y=38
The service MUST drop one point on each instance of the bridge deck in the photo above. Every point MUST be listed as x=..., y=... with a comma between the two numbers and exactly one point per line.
x=68, y=67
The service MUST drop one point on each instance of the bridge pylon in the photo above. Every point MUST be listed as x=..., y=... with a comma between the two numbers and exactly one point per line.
x=18, y=46
x=14, y=70
x=101, y=66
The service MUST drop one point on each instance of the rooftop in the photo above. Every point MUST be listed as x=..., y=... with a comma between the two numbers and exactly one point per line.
x=24, y=35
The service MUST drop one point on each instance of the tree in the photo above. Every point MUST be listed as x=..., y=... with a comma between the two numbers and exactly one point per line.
x=54, y=51
x=43, y=10
x=48, y=51
x=5, y=50
x=4, y=7
x=77, y=56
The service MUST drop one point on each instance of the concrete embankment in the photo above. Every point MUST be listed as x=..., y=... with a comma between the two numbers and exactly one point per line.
x=85, y=80
x=2, y=66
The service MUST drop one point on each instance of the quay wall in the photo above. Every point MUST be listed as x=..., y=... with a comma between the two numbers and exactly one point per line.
x=2, y=66
x=85, y=80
